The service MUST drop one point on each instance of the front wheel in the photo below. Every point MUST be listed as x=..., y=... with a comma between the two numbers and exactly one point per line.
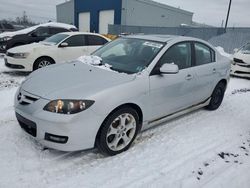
x=42, y=62
x=118, y=131
x=217, y=96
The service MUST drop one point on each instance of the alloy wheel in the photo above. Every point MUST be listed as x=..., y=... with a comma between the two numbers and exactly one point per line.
x=121, y=132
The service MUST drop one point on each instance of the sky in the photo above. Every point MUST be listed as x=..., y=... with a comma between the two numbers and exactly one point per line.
x=210, y=12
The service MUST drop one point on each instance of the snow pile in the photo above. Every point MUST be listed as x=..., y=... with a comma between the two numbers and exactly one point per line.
x=222, y=52
x=94, y=61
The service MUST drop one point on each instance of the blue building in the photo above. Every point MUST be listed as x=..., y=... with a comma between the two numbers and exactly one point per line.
x=96, y=15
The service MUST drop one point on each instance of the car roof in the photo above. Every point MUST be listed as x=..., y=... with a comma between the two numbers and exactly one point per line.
x=57, y=24
x=162, y=38
x=80, y=33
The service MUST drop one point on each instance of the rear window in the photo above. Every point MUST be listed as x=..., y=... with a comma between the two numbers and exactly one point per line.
x=57, y=30
x=94, y=40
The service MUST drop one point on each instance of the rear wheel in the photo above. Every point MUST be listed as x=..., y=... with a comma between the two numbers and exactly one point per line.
x=118, y=131
x=42, y=62
x=217, y=96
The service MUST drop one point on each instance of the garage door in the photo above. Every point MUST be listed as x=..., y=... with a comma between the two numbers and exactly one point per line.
x=106, y=17
x=84, y=21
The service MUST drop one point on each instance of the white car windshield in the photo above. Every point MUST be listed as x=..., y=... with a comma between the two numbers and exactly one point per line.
x=129, y=55
x=56, y=39
x=246, y=48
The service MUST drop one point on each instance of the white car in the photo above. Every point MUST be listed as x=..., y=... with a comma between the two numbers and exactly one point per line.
x=241, y=62
x=129, y=85
x=56, y=49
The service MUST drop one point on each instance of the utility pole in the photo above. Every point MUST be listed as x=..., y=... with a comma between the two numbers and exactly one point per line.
x=228, y=12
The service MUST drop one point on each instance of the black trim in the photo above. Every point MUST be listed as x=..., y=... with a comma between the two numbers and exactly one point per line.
x=27, y=125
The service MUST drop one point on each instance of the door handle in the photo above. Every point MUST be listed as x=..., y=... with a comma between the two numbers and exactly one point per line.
x=189, y=77
x=214, y=70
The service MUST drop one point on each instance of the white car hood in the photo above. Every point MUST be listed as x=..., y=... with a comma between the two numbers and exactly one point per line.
x=244, y=57
x=74, y=80
x=29, y=47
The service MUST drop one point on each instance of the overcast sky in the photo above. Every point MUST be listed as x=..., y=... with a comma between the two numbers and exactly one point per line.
x=211, y=12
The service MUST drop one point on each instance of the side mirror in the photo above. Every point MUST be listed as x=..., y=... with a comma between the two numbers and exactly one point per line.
x=64, y=44
x=236, y=50
x=169, y=69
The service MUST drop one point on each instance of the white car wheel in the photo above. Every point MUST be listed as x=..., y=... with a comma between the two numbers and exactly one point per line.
x=43, y=62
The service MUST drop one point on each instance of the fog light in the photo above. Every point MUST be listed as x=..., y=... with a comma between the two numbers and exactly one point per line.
x=56, y=138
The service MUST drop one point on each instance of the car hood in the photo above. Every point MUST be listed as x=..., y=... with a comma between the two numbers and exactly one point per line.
x=74, y=80
x=243, y=56
x=29, y=47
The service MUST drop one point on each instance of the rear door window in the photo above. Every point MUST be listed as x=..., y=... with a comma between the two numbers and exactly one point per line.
x=203, y=54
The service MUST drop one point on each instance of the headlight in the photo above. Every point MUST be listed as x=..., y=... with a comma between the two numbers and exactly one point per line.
x=68, y=106
x=5, y=39
x=20, y=55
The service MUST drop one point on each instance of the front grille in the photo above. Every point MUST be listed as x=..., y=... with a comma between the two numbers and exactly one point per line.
x=27, y=125
x=13, y=66
x=25, y=98
x=241, y=72
x=239, y=61
x=247, y=66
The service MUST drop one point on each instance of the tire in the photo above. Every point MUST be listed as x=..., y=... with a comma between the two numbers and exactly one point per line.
x=217, y=96
x=116, y=136
x=42, y=62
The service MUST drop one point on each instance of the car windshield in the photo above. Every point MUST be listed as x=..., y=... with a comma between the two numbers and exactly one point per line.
x=55, y=39
x=246, y=48
x=129, y=55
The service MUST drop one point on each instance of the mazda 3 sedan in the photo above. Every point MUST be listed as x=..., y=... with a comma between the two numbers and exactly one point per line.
x=127, y=86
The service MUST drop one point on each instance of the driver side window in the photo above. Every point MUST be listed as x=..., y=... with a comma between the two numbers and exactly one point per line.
x=179, y=54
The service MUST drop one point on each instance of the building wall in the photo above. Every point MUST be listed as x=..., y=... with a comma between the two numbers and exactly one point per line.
x=65, y=12
x=94, y=6
x=149, y=13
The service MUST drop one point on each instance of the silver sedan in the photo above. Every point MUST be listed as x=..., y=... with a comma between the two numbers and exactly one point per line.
x=127, y=86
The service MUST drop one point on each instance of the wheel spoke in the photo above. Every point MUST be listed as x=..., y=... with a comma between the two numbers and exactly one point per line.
x=126, y=139
x=112, y=131
x=114, y=143
x=130, y=125
x=123, y=119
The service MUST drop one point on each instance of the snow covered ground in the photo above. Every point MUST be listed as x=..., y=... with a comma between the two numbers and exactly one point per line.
x=201, y=149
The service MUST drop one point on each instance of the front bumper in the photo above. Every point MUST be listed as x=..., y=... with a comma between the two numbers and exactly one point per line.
x=77, y=132
x=18, y=64
x=240, y=69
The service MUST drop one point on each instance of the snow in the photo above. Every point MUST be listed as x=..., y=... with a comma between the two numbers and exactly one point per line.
x=27, y=30
x=94, y=61
x=200, y=149
x=222, y=52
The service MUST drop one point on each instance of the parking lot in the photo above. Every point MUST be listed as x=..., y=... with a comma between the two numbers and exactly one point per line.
x=203, y=148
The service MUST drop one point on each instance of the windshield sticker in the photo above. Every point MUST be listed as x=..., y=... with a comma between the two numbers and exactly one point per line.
x=152, y=44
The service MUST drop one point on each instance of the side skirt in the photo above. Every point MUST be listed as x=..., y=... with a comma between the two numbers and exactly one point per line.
x=174, y=115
